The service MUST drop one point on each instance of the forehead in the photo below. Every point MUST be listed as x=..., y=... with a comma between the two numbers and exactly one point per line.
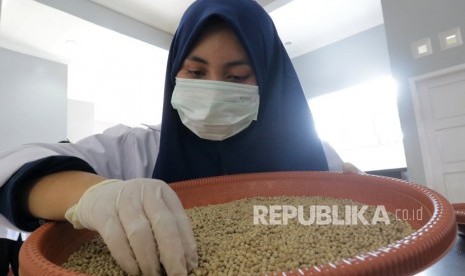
x=217, y=43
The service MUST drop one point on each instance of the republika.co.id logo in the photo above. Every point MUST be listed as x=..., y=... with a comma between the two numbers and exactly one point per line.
x=326, y=214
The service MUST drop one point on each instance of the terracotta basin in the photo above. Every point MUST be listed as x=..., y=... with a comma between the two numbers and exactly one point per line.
x=436, y=230
x=460, y=217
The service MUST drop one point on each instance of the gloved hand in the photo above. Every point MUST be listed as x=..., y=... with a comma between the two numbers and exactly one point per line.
x=351, y=168
x=136, y=218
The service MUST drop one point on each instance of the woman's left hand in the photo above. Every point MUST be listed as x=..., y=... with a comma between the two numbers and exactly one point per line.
x=351, y=168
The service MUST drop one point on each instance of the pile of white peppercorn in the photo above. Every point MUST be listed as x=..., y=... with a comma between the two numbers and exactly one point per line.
x=232, y=241
x=94, y=258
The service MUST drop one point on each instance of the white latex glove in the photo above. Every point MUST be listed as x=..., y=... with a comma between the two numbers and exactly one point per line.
x=136, y=218
x=351, y=168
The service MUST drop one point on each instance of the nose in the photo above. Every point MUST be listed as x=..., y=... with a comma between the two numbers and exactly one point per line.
x=216, y=76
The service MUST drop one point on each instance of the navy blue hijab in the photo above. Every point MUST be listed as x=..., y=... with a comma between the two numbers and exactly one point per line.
x=282, y=139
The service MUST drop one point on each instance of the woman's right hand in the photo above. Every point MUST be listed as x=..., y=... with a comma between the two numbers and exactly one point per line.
x=143, y=224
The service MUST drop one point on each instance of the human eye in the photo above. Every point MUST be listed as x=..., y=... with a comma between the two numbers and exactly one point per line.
x=237, y=78
x=192, y=73
x=195, y=74
x=192, y=70
x=244, y=77
x=241, y=73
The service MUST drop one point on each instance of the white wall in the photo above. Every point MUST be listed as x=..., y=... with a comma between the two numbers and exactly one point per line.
x=32, y=99
x=80, y=119
x=351, y=61
x=406, y=22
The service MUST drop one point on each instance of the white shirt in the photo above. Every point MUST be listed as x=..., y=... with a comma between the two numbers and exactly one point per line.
x=6, y=233
x=120, y=152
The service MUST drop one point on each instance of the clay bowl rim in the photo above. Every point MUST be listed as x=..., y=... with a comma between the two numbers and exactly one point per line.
x=413, y=253
x=460, y=217
x=459, y=209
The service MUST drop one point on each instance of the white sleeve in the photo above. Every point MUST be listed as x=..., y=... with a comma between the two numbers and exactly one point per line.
x=119, y=152
x=10, y=234
x=335, y=162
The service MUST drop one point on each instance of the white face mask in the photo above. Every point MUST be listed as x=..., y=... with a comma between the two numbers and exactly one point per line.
x=215, y=110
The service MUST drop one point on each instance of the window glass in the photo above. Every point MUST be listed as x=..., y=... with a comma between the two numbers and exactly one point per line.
x=362, y=124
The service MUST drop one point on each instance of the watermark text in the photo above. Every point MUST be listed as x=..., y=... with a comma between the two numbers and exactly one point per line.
x=319, y=215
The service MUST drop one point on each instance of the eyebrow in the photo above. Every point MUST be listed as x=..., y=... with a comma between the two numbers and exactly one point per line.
x=229, y=64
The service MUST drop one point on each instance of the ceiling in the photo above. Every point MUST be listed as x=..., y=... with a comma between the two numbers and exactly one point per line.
x=303, y=25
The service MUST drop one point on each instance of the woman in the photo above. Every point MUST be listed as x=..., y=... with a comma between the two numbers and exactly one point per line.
x=233, y=104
